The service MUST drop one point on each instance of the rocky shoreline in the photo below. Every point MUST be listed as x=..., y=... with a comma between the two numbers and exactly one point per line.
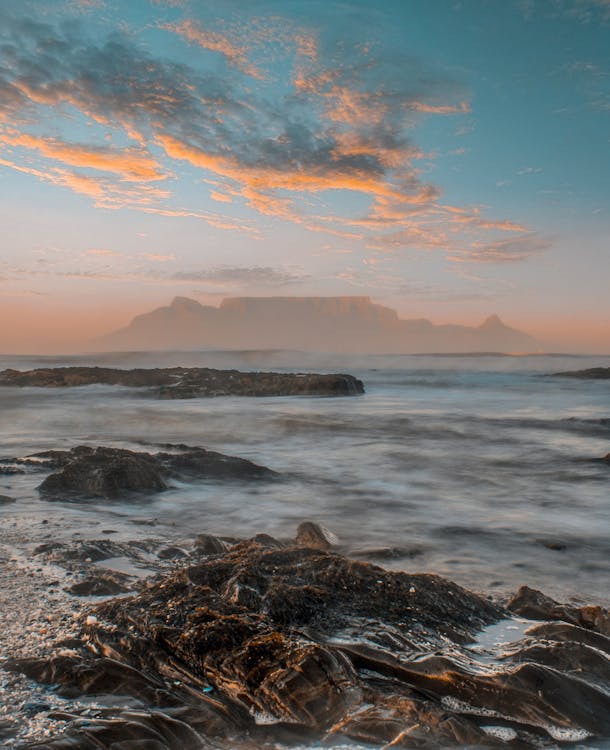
x=188, y=382
x=278, y=642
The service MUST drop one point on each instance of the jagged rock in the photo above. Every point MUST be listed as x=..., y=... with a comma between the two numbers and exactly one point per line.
x=190, y=382
x=263, y=644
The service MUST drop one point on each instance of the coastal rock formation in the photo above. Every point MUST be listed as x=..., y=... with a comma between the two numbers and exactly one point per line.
x=335, y=324
x=189, y=382
x=92, y=472
x=267, y=644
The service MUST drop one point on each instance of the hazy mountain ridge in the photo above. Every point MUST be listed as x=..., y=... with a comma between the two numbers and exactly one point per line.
x=336, y=324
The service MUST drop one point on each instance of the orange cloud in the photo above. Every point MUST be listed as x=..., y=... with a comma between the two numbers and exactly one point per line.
x=131, y=164
x=215, y=42
x=439, y=109
x=105, y=193
x=220, y=197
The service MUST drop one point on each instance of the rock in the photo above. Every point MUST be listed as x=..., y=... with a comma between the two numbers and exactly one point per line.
x=104, y=583
x=554, y=544
x=592, y=373
x=7, y=729
x=535, y=605
x=189, y=382
x=207, y=544
x=92, y=551
x=107, y=473
x=87, y=472
x=6, y=500
x=314, y=535
x=171, y=553
x=33, y=708
x=261, y=645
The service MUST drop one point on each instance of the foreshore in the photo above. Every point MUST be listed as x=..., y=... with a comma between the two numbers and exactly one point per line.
x=279, y=641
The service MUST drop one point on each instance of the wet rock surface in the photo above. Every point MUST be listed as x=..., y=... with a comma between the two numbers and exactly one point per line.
x=189, y=382
x=264, y=643
x=102, y=472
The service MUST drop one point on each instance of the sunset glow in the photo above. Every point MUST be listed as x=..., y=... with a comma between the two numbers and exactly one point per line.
x=447, y=159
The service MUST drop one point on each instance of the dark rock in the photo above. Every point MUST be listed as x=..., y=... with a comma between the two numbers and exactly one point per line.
x=263, y=644
x=104, y=583
x=592, y=373
x=93, y=551
x=87, y=472
x=7, y=729
x=535, y=605
x=171, y=553
x=105, y=472
x=189, y=382
x=6, y=500
x=553, y=544
x=267, y=541
x=33, y=708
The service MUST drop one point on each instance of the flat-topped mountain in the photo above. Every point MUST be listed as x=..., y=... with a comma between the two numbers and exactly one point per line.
x=337, y=324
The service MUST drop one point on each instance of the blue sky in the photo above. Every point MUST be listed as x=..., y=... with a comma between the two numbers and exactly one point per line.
x=449, y=159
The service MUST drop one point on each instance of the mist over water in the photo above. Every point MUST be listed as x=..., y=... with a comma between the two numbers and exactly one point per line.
x=478, y=467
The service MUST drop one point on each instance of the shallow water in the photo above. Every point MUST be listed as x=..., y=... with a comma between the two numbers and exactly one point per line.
x=473, y=465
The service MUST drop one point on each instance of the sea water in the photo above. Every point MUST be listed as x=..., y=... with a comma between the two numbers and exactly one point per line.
x=478, y=468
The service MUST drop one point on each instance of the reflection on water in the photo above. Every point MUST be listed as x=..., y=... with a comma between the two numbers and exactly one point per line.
x=482, y=464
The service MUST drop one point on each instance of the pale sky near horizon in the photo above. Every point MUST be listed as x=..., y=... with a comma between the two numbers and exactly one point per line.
x=449, y=159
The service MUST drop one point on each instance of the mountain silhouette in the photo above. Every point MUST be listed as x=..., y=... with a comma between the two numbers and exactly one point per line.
x=333, y=324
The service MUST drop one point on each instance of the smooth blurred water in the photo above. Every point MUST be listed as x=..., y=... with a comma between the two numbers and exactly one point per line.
x=473, y=464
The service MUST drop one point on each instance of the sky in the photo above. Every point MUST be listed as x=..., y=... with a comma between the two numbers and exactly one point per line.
x=449, y=159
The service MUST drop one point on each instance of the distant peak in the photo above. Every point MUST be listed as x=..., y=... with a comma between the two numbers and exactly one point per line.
x=493, y=321
x=185, y=303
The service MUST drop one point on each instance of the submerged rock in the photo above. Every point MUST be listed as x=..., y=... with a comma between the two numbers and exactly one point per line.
x=189, y=382
x=592, y=373
x=268, y=645
x=88, y=472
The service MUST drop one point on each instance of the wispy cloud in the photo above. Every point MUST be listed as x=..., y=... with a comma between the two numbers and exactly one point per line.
x=342, y=119
x=235, y=53
x=240, y=276
x=504, y=251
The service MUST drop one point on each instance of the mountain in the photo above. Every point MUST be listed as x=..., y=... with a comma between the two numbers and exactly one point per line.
x=335, y=324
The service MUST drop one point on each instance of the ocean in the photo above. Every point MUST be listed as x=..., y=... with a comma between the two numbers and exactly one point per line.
x=478, y=468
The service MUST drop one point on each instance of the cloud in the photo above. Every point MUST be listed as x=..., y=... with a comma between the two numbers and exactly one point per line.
x=242, y=276
x=340, y=118
x=102, y=252
x=158, y=257
x=504, y=251
x=234, y=53
x=130, y=164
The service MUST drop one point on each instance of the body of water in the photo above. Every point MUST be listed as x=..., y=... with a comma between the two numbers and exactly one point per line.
x=478, y=468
